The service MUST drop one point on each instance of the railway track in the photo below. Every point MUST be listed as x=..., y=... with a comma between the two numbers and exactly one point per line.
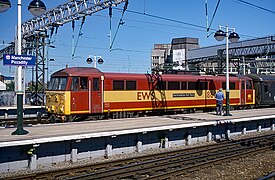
x=166, y=165
x=11, y=122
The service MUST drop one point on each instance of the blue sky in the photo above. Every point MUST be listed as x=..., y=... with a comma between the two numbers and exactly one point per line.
x=136, y=38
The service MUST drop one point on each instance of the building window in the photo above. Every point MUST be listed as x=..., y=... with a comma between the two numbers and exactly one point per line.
x=155, y=57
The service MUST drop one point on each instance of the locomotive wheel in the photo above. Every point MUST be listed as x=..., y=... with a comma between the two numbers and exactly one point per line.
x=70, y=118
x=52, y=119
x=39, y=117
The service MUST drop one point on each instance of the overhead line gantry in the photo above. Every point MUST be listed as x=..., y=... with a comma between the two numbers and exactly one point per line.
x=36, y=30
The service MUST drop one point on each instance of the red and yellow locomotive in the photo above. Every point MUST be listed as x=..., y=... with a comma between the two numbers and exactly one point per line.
x=85, y=91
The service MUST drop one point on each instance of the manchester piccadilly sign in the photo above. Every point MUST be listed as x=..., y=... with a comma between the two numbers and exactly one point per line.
x=18, y=60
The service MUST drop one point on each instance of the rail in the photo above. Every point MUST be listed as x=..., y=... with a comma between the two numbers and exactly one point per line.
x=164, y=165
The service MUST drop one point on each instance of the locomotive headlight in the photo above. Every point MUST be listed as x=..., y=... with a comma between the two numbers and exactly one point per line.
x=49, y=98
x=52, y=108
x=56, y=98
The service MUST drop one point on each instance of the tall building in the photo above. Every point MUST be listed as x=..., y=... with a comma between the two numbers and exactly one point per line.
x=159, y=56
x=167, y=57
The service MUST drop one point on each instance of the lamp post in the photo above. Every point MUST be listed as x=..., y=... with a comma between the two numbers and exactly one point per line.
x=232, y=37
x=97, y=59
x=36, y=7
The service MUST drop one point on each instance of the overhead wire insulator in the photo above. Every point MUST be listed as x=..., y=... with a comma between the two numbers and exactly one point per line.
x=110, y=32
x=110, y=11
x=83, y=20
x=79, y=34
x=73, y=25
x=125, y=5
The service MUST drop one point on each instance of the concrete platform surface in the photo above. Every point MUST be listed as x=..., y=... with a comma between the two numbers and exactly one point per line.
x=237, y=114
x=77, y=130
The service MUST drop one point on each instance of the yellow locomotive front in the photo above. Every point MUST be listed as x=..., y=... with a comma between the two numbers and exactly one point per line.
x=57, y=98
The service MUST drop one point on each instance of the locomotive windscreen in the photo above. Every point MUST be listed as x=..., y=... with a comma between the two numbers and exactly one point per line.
x=58, y=83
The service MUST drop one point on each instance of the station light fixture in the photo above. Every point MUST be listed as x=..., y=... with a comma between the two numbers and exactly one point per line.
x=100, y=61
x=89, y=60
x=4, y=5
x=97, y=59
x=37, y=7
x=232, y=37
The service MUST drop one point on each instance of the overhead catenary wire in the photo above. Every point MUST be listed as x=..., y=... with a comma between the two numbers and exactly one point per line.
x=79, y=34
x=163, y=18
x=120, y=23
x=178, y=21
x=206, y=17
x=255, y=6
x=197, y=27
x=208, y=28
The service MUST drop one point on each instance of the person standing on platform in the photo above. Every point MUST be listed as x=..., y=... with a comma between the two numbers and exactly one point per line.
x=219, y=101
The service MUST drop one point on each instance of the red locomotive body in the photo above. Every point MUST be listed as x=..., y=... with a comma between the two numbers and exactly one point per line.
x=87, y=91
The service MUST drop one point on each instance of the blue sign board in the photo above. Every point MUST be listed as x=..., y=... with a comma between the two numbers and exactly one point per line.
x=19, y=60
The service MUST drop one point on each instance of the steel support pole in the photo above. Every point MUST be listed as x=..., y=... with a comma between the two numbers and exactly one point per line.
x=19, y=91
x=95, y=61
x=227, y=76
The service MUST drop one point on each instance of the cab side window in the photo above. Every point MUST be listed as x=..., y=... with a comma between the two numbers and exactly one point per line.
x=83, y=83
x=248, y=84
x=95, y=84
x=75, y=84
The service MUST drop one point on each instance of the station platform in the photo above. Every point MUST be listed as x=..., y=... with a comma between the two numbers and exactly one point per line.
x=114, y=127
x=76, y=141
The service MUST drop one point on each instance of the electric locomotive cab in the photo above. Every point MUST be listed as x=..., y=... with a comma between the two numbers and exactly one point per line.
x=74, y=92
x=56, y=95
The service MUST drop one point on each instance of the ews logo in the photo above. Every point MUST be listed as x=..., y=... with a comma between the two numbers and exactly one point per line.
x=143, y=96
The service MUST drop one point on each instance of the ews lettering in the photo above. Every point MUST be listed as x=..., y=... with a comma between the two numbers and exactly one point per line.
x=143, y=95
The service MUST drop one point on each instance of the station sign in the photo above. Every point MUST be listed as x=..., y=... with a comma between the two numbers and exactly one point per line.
x=18, y=60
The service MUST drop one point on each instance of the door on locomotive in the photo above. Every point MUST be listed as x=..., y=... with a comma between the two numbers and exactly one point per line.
x=210, y=92
x=246, y=92
x=95, y=94
x=79, y=95
x=202, y=87
x=243, y=93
